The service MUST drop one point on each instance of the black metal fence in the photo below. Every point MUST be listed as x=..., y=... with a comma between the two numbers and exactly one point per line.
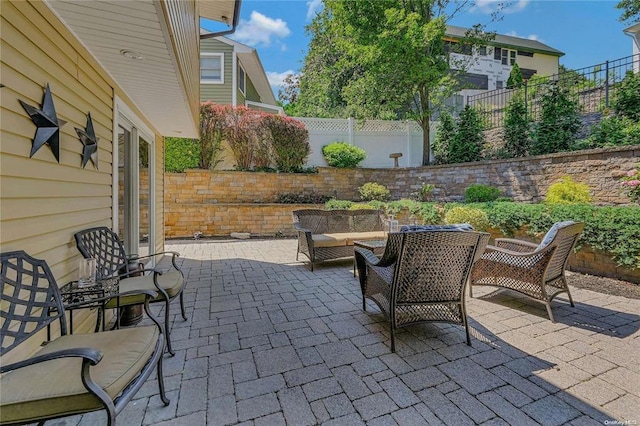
x=593, y=87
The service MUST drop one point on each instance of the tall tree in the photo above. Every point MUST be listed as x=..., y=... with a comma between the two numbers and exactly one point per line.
x=630, y=10
x=383, y=59
x=515, y=77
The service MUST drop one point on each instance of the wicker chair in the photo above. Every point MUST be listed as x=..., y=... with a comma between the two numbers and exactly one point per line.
x=104, y=245
x=72, y=374
x=421, y=276
x=535, y=270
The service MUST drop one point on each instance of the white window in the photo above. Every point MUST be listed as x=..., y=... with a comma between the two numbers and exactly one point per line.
x=242, y=80
x=212, y=68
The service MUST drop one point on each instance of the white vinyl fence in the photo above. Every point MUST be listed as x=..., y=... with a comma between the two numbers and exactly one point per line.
x=378, y=138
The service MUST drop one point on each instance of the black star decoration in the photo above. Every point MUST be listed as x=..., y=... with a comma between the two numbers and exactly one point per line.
x=47, y=123
x=90, y=142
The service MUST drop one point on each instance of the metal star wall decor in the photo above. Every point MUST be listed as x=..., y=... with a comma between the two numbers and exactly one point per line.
x=90, y=142
x=48, y=125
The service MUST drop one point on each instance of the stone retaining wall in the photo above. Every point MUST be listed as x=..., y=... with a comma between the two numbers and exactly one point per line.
x=522, y=179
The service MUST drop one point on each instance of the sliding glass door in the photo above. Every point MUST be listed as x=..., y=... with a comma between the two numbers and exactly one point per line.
x=135, y=188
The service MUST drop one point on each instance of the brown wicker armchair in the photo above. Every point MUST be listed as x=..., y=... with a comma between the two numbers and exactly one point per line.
x=535, y=270
x=421, y=276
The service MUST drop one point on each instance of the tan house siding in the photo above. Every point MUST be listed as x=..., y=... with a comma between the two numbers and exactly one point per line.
x=221, y=92
x=184, y=23
x=252, y=93
x=43, y=202
x=545, y=65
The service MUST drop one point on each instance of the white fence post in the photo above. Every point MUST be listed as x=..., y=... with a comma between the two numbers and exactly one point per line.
x=409, y=139
x=351, y=136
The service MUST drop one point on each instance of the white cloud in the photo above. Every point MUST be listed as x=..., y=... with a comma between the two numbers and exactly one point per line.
x=312, y=8
x=261, y=30
x=535, y=37
x=276, y=79
x=490, y=6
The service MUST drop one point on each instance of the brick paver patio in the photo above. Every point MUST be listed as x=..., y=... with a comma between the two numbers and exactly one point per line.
x=269, y=342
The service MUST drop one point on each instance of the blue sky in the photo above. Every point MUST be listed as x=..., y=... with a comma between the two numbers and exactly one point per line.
x=588, y=32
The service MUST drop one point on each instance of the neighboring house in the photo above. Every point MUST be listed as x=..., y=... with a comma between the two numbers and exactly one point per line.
x=488, y=67
x=634, y=32
x=134, y=67
x=231, y=74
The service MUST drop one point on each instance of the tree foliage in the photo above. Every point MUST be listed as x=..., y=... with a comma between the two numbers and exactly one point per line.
x=469, y=139
x=559, y=122
x=381, y=59
x=212, y=131
x=516, y=131
x=630, y=10
x=289, y=140
x=445, y=133
x=515, y=77
x=627, y=101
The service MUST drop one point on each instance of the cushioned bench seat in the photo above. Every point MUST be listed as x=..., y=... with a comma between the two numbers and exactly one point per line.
x=329, y=234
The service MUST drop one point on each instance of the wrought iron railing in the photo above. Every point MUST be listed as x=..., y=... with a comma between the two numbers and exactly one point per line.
x=593, y=87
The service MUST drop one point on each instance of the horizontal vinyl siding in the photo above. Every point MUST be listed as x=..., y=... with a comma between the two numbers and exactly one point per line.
x=218, y=93
x=43, y=202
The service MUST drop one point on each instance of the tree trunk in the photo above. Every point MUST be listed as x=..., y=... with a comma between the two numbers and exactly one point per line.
x=425, y=124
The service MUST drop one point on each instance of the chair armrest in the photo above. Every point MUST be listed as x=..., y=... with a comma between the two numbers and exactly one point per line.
x=497, y=254
x=150, y=294
x=93, y=356
x=515, y=245
x=366, y=256
x=174, y=255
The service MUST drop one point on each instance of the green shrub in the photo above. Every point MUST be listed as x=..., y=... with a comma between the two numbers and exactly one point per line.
x=343, y=155
x=568, y=191
x=516, y=131
x=374, y=191
x=515, y=77
x=362, y=206
x=304, y=198
x=476, y=217
x=627, y=100
x=424, y=192
x=212, y=131
x=334, y=204
x=469, y=139
x=559, y=121
x=445, y=133
x=181, y=154
x=479, y=193
x=289, y=140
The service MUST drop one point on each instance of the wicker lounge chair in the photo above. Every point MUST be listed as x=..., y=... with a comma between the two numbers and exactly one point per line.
x=421, y=276
x=535, y=270
x=72, y=374
x=104, y=245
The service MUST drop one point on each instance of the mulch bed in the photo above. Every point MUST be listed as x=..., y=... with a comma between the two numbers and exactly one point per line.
x=604, y=285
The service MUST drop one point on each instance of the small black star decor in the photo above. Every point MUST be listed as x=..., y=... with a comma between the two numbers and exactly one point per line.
x=48, y=125
x=90, y=142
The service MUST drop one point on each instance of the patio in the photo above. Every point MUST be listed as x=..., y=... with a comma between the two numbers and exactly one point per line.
x=270, y=343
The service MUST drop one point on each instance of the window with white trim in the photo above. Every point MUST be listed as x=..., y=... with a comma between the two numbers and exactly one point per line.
x=242, y=80
x=212, y=68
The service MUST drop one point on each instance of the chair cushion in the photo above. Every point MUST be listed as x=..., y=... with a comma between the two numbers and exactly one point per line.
x=171, y=281
x=55, y=387
x=360, y=236
x=551, y=234
x=329, y=240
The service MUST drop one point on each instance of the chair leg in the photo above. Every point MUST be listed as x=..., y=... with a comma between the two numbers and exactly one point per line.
x=167, y=327
x=163, y=395
x=393, y=340
x=184, y=314
x=466, y=329
x=549, y=312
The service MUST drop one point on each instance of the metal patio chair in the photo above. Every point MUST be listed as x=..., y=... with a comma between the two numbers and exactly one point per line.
x=73, y=373
x=421, y=276
x=104, y=245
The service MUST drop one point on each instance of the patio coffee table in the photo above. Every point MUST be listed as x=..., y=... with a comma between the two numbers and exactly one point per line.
x=376, y=246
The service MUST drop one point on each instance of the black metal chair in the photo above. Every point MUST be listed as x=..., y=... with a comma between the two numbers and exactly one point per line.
x=73, y=373
x=421, y=276
x=104, y=245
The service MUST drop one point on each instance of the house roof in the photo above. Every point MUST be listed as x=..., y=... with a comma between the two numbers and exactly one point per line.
x=252, y=65
x=508, y=41
x=633, y=29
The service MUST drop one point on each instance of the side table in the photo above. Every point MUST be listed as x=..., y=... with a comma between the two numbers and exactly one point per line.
x=376, y=246
x=72, y=294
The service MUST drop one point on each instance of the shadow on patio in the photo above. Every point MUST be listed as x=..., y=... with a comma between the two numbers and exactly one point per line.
x=269, y=342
